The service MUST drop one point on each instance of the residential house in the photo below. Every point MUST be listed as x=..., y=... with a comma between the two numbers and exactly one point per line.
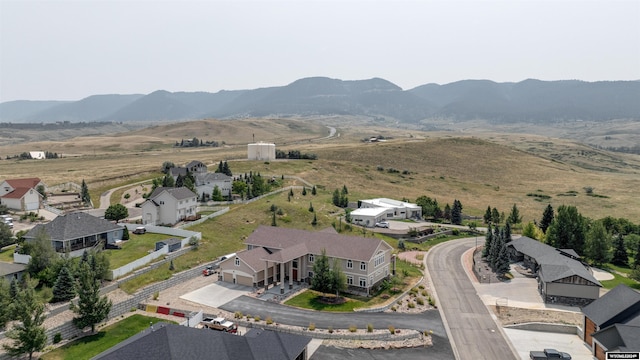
x=562, y=278
x=371, y=211
x=169, y=342
x=612, y=323
x=75, y=232
x=37, y=155
x=276, y=254
x=11, y=271
x=206, y=182
x=21, y=194
x=194, y=167
x=167, y=206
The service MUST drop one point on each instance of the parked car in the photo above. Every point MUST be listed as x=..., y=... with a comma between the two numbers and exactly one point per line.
x=382, y=224
x=140, y=230
x=549, y=354
x=208, y=271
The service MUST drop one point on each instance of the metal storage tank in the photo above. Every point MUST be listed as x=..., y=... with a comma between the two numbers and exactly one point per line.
x=261, y=151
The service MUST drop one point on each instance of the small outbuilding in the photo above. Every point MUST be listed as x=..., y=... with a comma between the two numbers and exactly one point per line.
x=173, y=244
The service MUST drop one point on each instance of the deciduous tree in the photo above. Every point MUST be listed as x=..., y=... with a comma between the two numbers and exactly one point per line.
x=28, y=334
x=116, y=212
x=597, y=243
x=567, y=230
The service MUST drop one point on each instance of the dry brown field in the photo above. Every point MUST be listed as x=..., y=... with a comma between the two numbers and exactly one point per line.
x=480, y=169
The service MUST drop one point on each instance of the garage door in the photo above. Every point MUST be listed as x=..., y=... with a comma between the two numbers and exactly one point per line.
x=244, y=280
x=227, y=277
x=30, y=206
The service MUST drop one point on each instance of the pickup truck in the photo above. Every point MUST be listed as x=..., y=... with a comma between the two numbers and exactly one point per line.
x=208, y=271
x=220, y=324
x=549, y=354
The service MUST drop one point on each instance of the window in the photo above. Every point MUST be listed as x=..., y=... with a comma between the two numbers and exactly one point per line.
x=161, y=202
x=379, y=260
x=363, y=266
x=349, y=264
x=310, y=257
x=237, y=261
x=294, y=263
x=349, y=280
x=310, y=274
x=363, y=282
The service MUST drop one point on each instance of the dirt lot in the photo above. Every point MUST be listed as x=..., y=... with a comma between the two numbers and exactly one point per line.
x=510, y=316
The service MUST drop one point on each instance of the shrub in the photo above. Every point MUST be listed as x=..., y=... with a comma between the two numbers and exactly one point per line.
x=411, y=305
x=57, y=338
x=392, y=329
x=269, y=320
x=330, y=329
x=420, y=301
x=256, y=318
x=248, y=317
x=312, y=326
x=431, y=301
x=156, y=295
x=421, y=287
x=369, y=327
x=353, y=328
x=237, y=315
x=393, y=308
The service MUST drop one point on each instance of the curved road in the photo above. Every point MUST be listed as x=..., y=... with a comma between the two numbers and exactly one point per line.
x=472, y=331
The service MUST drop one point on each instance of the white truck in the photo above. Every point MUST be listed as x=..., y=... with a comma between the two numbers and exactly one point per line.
x=220, y=324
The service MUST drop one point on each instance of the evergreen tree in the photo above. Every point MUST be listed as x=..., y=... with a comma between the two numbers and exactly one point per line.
x=14, y=288
x=179, y=181
x=313, y=190
x=636, y=259
x=84, y=193
x=91, y=308
x=167, y=181
x=456, y=212
x=567, y=230
x=447, y=212
x=344, y=201
x=225, y=169
x=304, y=191
x=514, y=216
x=336, y=198
x=189, y=184
x=220, y=168
x=216, y=195
x=344, y=190
x=310, y=207
x=597, y=243
x=502, y=262
x=620, y=256
x=291, y=192
x=487, y=215
x=486, y=250
x=125, y=233
x=6, y=299
x=64, y=288
x=314, y=222
x=321, y=280
x=506, y=237
x=495, y=216
x=273, y=220
x=547, y=218
x=28, y=334
x=496, y=246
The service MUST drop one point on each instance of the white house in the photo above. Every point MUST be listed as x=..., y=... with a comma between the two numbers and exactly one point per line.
x=167, y=206
x=38, y=155
x=261, y=151
x=21, y=194
x=368, y=217
x=206, y=182
x=396, y=209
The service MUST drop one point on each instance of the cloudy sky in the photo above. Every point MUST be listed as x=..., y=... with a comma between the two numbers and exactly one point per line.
x=67, y=50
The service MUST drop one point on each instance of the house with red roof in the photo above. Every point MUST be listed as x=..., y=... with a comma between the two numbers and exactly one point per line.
x=21, y=194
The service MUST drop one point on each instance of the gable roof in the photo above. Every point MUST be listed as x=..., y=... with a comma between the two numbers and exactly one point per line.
x=336, y=245
x=170, y=341
x=19, y=193
x=7, y=268
x=617, y=305
x=203, y=178
x=253, y=258
x=24, y=183
x=180, y=193
x=619, y=337
x=73, y=226
x=554, y=264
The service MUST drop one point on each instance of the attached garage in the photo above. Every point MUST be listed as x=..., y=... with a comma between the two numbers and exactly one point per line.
x=229, y=277
x=244, y=280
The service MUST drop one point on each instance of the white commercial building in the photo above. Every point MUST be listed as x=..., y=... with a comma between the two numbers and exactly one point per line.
x=261, y=151
x=371, y=211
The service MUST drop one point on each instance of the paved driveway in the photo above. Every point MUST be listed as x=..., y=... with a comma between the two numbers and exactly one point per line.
x=526, y=341
x=217, y=294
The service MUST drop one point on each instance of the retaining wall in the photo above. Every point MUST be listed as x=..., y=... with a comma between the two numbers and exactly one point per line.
x=546, y=327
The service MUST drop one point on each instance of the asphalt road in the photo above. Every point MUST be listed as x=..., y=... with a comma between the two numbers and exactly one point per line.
x=428, y=320
x=474, y=334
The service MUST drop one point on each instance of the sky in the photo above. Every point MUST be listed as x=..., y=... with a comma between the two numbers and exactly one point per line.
x=68, y=50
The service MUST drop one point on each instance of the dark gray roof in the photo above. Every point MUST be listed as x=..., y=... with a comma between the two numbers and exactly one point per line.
x=554, y=263
x=180, y=193
x=619, y=337
x=169, y=241
x=10, y=268
x=618, y=305
x=175, y=171
x=73, y=226
x=169, y=341
x=204, y=178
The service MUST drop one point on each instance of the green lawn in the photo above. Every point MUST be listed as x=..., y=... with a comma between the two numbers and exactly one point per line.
x=6, y=254
x=619, y=279
x=136, y=247
x=90, y=346
x=310, y=299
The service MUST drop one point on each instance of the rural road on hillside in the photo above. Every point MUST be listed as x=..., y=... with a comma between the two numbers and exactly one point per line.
x=473, y=332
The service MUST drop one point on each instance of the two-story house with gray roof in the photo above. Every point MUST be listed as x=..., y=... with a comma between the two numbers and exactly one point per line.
x=612, y=323
x=206, y=182
x=167, y=206
x=562, y=278
x=276, y=254
x=75, y=232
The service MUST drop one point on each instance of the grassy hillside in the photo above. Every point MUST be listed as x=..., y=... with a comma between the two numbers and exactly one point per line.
x=489, y=169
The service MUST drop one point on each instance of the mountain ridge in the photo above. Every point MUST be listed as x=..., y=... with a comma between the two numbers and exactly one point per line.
x=529, y=100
